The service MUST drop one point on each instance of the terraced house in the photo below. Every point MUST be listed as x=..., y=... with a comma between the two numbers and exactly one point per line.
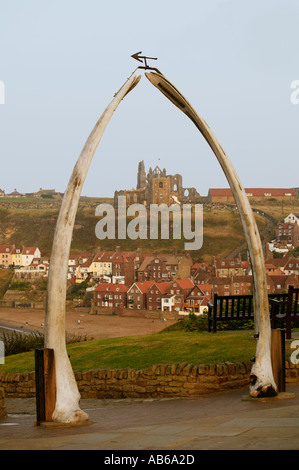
x=164, y=267
x=6, y=255
x=109, y=295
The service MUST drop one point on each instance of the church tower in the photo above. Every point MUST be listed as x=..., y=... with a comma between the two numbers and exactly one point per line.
x=141, y=176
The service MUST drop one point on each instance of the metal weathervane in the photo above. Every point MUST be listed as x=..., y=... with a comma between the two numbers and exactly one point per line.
x=142, y=58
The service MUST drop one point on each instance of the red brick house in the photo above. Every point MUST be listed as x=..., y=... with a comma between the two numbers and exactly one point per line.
x=234, y=285
x=123, y=266
x=110, y=295
x=179, y=288
x=196, y=300
x=228, y=267
x=155, y=294
x=291, y=266
x=164, y=267
x=287, y=234
x=277, y=284
x=137, y=295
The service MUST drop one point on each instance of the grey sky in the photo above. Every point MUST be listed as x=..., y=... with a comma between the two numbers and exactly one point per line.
x=62, y=61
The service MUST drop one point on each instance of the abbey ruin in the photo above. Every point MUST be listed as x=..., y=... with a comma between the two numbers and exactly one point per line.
x=157, y=187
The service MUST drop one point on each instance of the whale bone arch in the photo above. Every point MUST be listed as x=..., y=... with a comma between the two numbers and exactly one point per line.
x=67, y=409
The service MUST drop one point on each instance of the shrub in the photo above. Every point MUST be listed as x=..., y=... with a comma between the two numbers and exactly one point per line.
x=16, y=342
x=192, y=323
x=20, y=285
x=200, y=323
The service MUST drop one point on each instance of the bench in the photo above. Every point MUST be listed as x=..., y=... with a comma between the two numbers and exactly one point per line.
x=240, y=307
x=285, y=311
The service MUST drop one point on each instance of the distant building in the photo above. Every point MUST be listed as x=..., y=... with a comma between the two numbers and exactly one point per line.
x=225, y=195
x=228, y=267
x=2, y=193
x=29, y=253
x=157, y=187
x=287, y=234
x=109, y=295
x=6, y=252
x=292, y=219
x=164, y=267
x=47, y=193
x=15, y=193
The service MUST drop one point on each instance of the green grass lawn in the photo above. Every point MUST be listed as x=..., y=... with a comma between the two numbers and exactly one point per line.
x=139, y=352
x=166, y=347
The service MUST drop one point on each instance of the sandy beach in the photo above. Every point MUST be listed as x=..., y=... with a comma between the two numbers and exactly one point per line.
x=80, y=323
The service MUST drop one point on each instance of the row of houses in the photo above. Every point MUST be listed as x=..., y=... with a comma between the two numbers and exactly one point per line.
x=113, y=266
x=127, y=267
x=38, y=194
x=234, y=277
x=180, y=295
x=225, y=195
x=11, y=256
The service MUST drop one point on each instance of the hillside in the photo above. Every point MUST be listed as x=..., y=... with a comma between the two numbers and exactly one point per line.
x=27, y=222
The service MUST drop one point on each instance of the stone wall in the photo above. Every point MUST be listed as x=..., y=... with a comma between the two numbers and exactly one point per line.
x=2, y=404
x=157, y=381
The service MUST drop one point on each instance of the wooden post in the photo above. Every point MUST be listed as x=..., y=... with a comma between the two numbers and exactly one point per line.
x=278, y=358
x=45, y=385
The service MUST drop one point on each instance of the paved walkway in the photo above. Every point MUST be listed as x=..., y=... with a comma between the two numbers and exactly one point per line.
x=218, y=421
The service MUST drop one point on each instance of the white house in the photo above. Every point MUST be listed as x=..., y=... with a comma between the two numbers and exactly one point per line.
x=29, y=253
x=167, y=303
x=292, y=219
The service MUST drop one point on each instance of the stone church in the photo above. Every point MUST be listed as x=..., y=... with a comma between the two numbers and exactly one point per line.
x=156, y=187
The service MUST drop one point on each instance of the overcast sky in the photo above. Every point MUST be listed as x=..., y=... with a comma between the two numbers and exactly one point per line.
x=62, y=61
